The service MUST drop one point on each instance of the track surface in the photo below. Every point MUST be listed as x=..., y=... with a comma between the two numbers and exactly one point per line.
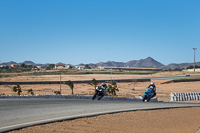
x=147, y=79
x=174, y=77
x=19, y=113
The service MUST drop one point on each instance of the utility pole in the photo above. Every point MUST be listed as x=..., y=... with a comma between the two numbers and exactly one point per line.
x=111, y=70
x=111, y=73
x=194, y=57
x=60, y=83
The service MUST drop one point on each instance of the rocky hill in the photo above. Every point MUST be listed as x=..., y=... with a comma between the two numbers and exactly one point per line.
x=179, y=66
x=146, y=63
x=8, y=63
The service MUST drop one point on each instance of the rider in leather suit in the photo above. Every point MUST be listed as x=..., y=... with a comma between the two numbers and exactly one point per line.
x=153, y=87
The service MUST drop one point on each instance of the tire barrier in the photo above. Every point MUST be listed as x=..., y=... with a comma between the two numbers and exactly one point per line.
x=192, y=96
x=51, y=96
x=81, y=81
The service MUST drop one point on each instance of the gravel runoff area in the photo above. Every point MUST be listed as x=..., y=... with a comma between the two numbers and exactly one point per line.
x=179, y=120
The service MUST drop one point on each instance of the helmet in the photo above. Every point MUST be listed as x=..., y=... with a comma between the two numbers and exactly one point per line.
x=103, y=83
x=152, y=83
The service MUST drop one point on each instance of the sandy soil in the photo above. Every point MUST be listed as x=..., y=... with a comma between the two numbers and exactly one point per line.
x=132, y=89
x=86, y=77
x=182, y=120
x=169, y=120
x=125, y=89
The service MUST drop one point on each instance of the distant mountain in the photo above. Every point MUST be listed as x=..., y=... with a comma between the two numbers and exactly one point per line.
x=8, y=63
x=28, y=63
x=60, y=63
x=81, y=64
x=111, y=63
x=146, y=63
x=179, y=66
x=33, y=64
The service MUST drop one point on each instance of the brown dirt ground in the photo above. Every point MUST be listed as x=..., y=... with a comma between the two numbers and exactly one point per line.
x=181, y=120
x=131, y=89
x=170, y=120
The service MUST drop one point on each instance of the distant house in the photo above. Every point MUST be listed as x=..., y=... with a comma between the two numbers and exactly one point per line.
x=39, y=67
x=59, y=66
x=14, y=65
x=101, y=68
x=95, y=67
x=80, y=67
x=192, y=70
x=2, y=65
x=68, y=67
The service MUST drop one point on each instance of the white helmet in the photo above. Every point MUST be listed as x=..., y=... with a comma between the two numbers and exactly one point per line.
x=152, y=83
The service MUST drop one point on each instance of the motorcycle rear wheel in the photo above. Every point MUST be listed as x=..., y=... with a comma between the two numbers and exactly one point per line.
x=100, y=97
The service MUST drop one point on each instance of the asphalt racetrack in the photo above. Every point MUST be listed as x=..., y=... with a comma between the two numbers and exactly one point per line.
x=19, y=113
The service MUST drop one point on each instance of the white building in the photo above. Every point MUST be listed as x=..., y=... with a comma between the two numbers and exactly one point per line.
x=192, y=70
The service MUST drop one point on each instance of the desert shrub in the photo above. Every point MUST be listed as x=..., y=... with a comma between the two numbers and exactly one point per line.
x=30, y=91
x=94, y=82
x=17, y=89
x=71, y=85
x=112, y=88
x=57, y=92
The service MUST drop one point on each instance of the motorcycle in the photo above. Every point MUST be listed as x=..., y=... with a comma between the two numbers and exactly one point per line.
x=147, y=95
x=99, y=93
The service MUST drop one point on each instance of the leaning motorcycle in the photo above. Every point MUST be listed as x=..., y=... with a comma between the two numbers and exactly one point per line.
x=99, y=93
x=147, y=94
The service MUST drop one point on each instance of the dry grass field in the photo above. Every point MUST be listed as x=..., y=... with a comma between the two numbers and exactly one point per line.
x=156, y=121
x=128, y=89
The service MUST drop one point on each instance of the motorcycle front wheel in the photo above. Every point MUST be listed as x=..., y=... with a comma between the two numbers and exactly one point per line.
x=145, y=96
x=94, y=96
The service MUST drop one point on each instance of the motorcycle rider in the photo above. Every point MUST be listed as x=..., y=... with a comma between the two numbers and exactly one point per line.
x=153, y=87
x=101, y=89
x=104, y=86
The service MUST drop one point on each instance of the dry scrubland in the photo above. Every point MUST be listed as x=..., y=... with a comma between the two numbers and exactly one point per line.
x=156, y=121
x=130, y=89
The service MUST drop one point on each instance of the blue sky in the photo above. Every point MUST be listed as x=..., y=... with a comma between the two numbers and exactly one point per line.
x=91, y=31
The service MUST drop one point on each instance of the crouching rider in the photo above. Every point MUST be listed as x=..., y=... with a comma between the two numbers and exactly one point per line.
x=100, y=90
x=153, y=87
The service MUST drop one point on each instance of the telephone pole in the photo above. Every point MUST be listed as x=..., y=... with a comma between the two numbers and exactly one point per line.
x=60, y=83
x=194, y=57
x=111, y=70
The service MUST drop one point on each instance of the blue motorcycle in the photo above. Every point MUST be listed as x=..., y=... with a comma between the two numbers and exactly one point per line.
x=147, y=94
